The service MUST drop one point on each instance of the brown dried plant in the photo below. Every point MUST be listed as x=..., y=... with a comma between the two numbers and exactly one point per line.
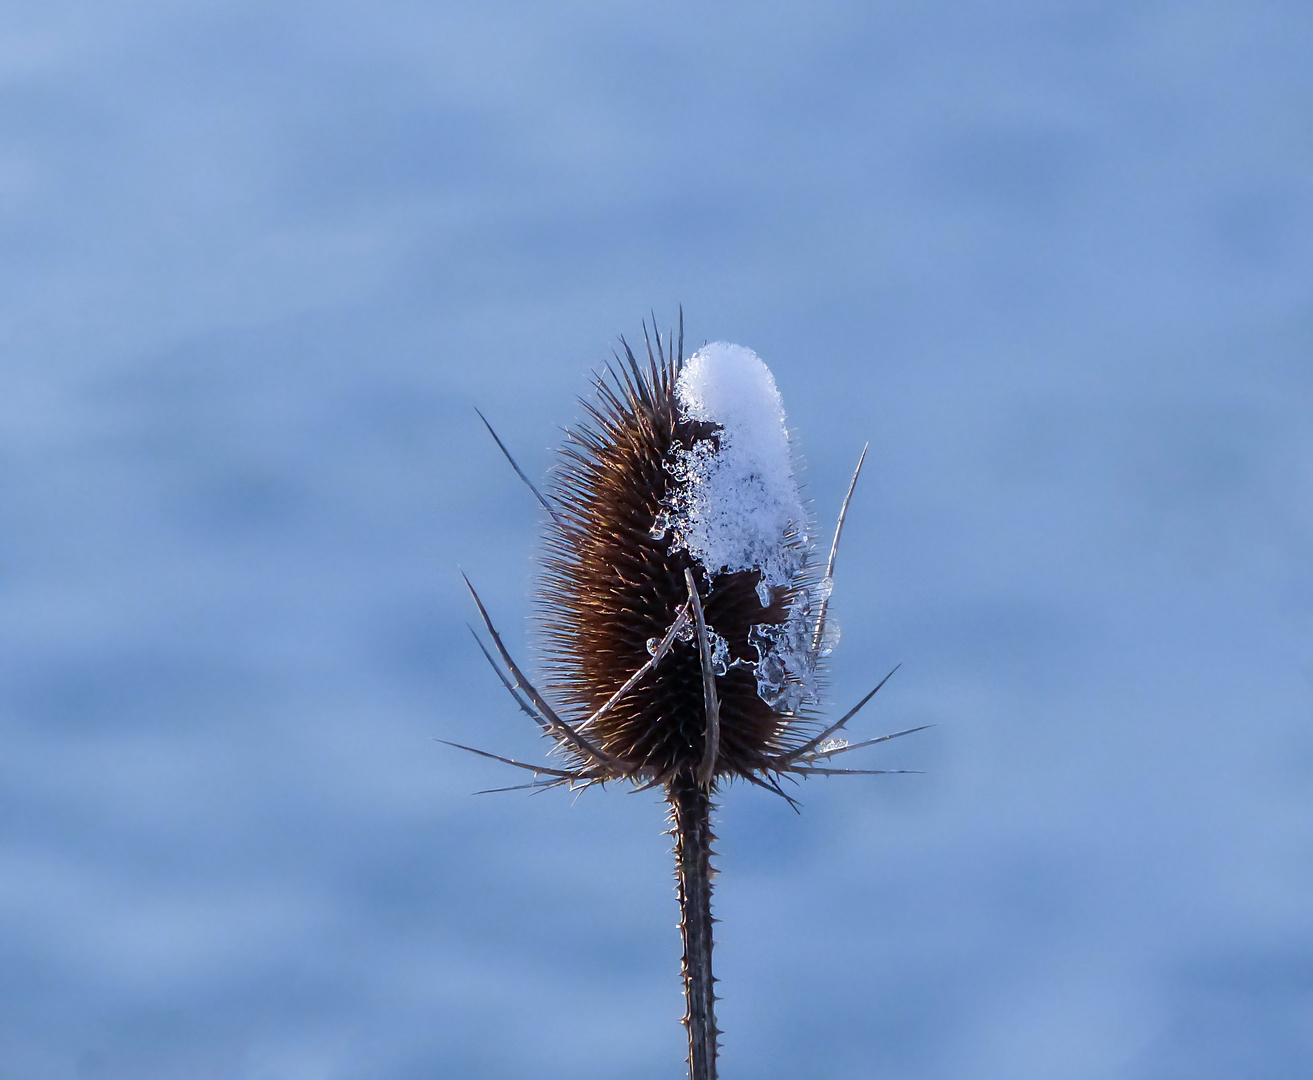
x=634, y=689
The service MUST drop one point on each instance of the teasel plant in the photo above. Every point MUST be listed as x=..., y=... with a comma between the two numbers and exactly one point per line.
x=682, y=612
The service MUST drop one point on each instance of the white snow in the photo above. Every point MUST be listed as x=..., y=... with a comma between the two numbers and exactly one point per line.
x=735, y=505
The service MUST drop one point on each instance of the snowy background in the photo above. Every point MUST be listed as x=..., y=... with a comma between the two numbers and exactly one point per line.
x=258, y=264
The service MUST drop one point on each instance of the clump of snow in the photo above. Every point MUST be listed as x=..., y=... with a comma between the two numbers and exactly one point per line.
x=735, y=505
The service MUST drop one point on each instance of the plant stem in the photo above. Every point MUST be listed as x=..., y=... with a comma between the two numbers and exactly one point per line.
x=690, y=811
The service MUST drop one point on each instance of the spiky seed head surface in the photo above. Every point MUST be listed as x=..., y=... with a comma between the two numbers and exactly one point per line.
x=613, y=581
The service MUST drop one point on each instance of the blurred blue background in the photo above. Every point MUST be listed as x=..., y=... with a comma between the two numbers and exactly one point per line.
x=261, y=262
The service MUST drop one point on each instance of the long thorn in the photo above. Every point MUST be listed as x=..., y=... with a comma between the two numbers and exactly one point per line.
x=680, y=364
x=537, y=787
x=524, y=706
x=834, y=551
x=785, y=760
x=823, y=755
x=520, y=472
x=535, y=769
x=711, y=742
x=818, y=771
x=774, y=788
x=563, y=729
x=652, y=359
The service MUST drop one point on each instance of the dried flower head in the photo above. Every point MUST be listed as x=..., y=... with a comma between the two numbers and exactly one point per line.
x=683, y=609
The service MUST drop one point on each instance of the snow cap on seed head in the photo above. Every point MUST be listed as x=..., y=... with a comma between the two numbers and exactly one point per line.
x=736, y=504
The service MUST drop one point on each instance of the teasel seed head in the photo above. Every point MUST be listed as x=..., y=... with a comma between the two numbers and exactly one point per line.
x=681, y=467
x=682, y=609
x=682, y=612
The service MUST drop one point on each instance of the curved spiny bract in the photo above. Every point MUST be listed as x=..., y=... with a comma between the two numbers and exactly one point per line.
x=610, y=587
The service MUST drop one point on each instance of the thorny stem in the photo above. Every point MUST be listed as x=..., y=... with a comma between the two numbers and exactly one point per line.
x=690, y=812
